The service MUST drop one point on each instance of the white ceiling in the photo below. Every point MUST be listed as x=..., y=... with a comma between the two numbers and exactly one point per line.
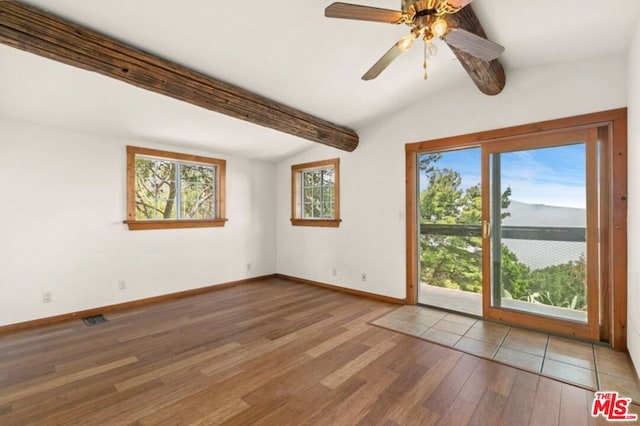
x=288, y=51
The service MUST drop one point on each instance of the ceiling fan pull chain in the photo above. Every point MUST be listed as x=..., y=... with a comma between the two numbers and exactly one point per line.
x=424, y=63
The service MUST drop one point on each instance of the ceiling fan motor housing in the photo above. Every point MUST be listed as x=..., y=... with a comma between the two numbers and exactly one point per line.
x=419, y=4
x=421, y=14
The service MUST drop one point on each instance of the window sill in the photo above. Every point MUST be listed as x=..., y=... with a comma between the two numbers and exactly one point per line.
x=140, y=225
x=325, y=223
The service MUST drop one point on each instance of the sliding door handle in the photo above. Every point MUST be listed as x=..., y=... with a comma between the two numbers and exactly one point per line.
x=486, y=229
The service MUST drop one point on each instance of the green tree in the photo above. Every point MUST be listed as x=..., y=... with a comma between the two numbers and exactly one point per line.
x=197, y=191
x=318, y=193
x=455, y=261
x=156, y=190
x=446, y=260
x=562, y=285
x=515, y=276
x=451, y=261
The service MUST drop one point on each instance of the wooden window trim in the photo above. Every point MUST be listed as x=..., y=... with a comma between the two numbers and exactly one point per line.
x=135, y=225
x=296, y=206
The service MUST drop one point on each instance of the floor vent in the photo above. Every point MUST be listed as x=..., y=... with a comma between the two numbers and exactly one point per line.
x=94, y=319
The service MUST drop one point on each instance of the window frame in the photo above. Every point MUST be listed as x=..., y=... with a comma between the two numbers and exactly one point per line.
x=297, y=170
x=220, y=185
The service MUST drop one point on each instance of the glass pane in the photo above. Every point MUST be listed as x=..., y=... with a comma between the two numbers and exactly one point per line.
x=155, y=189
x=311, y=178
x=316, y=211
x=308, y=195
x=197, y=198
x=328, y=210
x=307, y=210
x=450, y=239
x=327, y=176
x=317, y=193
x=539, y=231
x=327, y=200
x=328, y=193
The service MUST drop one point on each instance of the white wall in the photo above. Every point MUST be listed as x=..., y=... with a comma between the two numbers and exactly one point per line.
x=371, y=238
x=633, y=233
x=63, y=202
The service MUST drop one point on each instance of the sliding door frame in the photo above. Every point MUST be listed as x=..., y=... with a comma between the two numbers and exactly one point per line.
x=589, y=137
x=613, y=190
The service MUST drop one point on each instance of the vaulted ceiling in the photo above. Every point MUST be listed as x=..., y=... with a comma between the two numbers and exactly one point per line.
x=287, y=51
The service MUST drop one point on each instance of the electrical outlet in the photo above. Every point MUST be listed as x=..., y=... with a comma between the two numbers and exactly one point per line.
x=46, y=297
x=248, y=266
x=122, y=285
x=334, y=272
x=364, y=276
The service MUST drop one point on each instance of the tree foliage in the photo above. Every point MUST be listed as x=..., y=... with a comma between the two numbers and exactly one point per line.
x=455, y=261
x=157, y=190
x=318, y=193
x=565, y=285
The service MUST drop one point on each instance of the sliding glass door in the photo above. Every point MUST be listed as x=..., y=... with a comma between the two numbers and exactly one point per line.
x=509, y=230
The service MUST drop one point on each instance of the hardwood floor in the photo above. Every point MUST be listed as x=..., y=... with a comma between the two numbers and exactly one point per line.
x=270, y=352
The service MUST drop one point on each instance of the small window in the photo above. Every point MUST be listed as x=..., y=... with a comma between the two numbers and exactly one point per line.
x=171, y=190
x=315, y=193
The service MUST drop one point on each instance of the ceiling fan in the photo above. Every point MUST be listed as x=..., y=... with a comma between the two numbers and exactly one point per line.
x=428, y=19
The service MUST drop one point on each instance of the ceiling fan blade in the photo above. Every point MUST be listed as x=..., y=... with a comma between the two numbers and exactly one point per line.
x=362, y=13
x=382, y=63
x=459, y=3
x=473, y=44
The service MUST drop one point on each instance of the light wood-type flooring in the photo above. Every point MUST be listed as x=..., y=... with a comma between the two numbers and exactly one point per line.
x=587, y=365
x=271, y=352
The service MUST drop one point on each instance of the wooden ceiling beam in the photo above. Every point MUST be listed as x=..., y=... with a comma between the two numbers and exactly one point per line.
x=488, y=76
x=44, y=34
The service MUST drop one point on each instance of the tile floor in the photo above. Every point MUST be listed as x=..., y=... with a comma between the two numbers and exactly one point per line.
x=584, y=364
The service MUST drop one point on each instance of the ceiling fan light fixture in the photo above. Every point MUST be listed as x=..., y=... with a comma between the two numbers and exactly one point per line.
x=430, y=49
x=405, y=42
x=439, y=27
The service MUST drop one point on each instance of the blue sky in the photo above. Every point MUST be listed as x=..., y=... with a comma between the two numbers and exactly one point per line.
x=552, y=176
